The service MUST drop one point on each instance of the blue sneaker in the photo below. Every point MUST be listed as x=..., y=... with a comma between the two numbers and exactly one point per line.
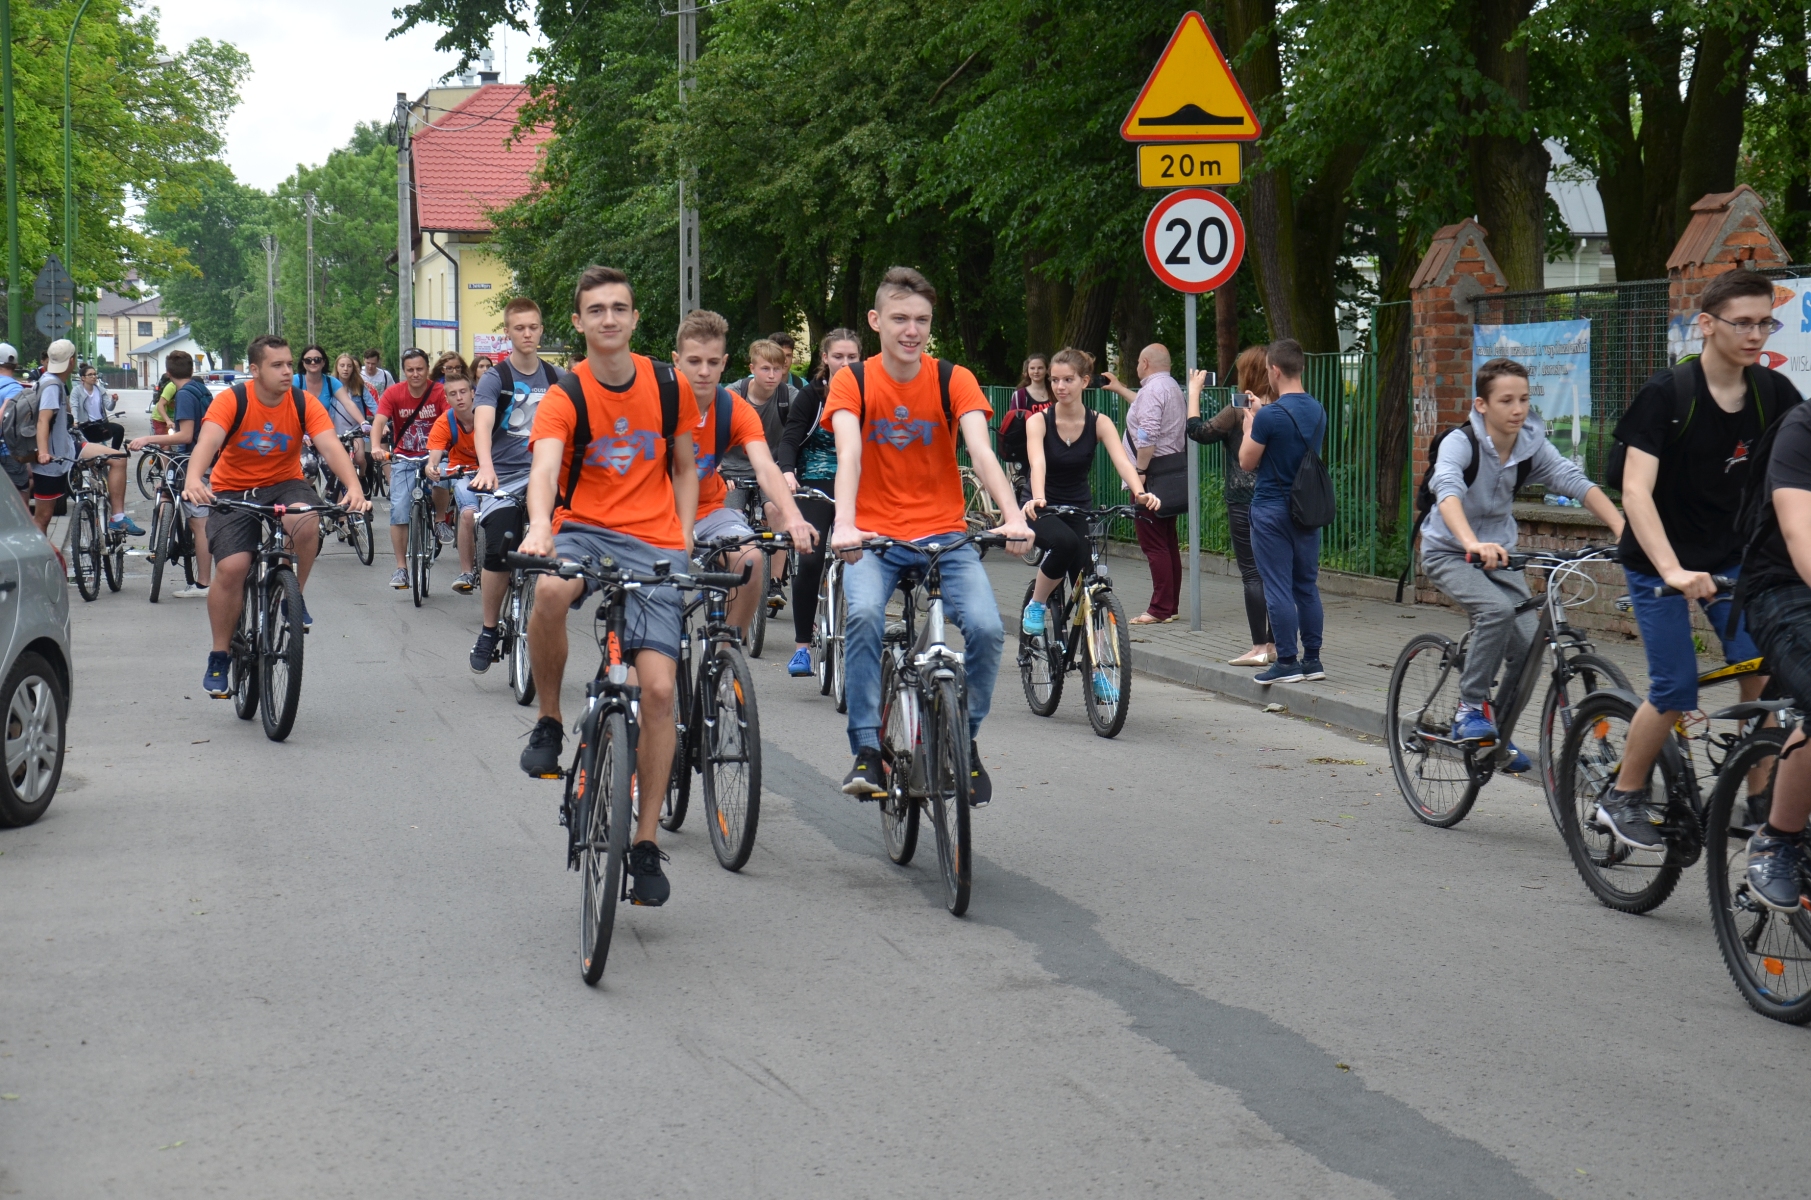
x=126, y=525
x=799, y=664
x=1105, y=690
x=215, y=682
x=1472, y=725
x=1284, y=670
x=1518, y=761
x=1776, y=871
x=1032, y=623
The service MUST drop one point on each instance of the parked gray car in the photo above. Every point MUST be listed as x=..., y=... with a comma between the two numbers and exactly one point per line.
x=35, y=666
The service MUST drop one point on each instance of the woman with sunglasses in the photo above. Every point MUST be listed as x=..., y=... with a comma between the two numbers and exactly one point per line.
x=314, y=379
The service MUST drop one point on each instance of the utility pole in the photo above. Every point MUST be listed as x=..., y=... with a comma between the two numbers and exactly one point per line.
x=689, y=290
x=405, y=243
x=270, y=284
x=15, y=294
x=308, y=219
x=69, y=168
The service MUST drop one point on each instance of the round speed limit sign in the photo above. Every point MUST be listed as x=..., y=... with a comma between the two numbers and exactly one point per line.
x=1194, y=240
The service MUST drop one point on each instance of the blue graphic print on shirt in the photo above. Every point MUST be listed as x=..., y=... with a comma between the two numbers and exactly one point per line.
x=901, y=432
x=264, y=441
x=618, y=451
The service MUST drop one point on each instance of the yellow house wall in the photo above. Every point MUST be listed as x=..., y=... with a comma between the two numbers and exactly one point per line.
x=475, y=307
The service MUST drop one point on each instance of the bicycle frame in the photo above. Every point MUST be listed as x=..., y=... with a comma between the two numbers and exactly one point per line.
x=930, y=661
x=1078, y=608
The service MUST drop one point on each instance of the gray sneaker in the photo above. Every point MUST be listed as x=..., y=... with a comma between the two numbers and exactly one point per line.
x=1776, y=871
x=1633, y=819
x=400, y=580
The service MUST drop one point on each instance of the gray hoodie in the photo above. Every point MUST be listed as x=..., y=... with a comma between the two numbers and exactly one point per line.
x=1489, y=503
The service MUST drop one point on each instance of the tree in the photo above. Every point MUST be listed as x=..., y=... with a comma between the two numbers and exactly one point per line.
x=214, y=222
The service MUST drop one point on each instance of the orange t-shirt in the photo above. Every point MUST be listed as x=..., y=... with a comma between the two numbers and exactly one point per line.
x=744, y=427
x=624, y=485
x=268, y=447
x=910, y=487
x=460, y=453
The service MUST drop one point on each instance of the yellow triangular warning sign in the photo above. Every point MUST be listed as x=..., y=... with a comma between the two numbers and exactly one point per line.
x=1191, y=94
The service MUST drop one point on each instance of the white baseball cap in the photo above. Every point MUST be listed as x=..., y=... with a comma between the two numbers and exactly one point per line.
x=8, y=354
x=62, y=351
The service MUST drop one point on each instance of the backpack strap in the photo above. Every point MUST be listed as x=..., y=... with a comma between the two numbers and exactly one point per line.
x=666, y=382
x=240, y=402
x=452, y=431
x=946, y=370
x=725, y=405
x=861, y=388
x=581, y=434
x=1685, y=395
x=301, y=400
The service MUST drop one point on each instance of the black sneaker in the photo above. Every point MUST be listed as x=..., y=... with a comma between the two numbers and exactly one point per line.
x=1312, y=669
x=866, y=780
x=980, y=786
x=1776, y=870
x=650, y=888
x=541, y=757
x=1633, y=818
x=216, y=682
x=484, y=652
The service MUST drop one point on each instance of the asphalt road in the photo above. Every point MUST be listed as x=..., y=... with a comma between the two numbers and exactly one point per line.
x=1213, y=957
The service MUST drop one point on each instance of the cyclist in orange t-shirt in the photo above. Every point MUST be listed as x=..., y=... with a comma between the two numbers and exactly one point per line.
x=909, y=487
x=451, y=438
x=635, y=498
x=703, y=351
x=262, y=465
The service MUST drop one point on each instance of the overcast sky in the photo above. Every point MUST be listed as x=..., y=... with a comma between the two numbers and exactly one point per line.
x=318, y=68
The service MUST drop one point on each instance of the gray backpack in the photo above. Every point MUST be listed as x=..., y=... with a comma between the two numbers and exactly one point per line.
x=19, y=426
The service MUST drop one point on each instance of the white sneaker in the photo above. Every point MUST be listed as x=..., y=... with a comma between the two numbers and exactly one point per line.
x=192, y=592
x=400, y=580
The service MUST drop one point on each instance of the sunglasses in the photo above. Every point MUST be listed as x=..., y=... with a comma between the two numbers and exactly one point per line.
x=313, y=362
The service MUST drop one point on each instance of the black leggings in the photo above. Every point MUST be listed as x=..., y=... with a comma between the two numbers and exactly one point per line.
x=1064, y=541
x=110, y=432
x=1238, y=517
x=808, y=569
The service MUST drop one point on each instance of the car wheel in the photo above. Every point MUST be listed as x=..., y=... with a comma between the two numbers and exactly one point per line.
x=35, y=708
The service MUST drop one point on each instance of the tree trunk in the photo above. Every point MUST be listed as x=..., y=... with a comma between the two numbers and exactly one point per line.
x=767, y=313
x=1320, y=227
x=1090, y=315
x=849, y=298
x=1226, y=327
x=1272, y=202
x=1046, y=306
x=1134, y=322
x=1712, y=137
x=1508, y=168
x=1397, y=259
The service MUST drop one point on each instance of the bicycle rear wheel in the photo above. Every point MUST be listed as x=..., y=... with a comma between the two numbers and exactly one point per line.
x=757, y=624
x=730, y=758
x=113, y=561
x=1041, y=657
x=839, y=675
x=1767, y=953
x=678, y=799
x=358, y=530
x=85, y=551
x=521, y=672
x=949, y=792
x=898, y=807
x=1433, y=773
x=1587, y=673
x=603, y=816
x=163, y=530
x=823, y=632
x=1590, y=760
x=243, y=673
x=1108, y=695
x=280, y=657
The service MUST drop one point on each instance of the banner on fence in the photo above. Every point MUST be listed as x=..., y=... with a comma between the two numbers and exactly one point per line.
x=1558, y=357
x=1788, y=351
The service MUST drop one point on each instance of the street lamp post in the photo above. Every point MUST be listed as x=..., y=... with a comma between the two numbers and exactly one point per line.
x=15, y=298
x=69, y=162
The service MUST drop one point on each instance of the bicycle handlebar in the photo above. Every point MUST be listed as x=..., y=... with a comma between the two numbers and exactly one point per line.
x=937, y=549
x=1725, y=585
x=280, y=510
x=721, y=580
x=731, y=542
x=1071, y=510
x=809, y=493
x=1519, y=562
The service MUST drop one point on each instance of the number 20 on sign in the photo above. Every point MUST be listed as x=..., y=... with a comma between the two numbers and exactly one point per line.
x=1194, y=240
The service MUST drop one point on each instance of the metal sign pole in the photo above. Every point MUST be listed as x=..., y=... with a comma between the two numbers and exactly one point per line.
x=1194, y=482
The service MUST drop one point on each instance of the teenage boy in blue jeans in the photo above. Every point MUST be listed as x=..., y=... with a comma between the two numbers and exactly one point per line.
x=1478, y=520
x=1686, y=466
x=1277, y=438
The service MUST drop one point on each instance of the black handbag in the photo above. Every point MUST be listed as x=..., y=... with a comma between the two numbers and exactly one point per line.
x=1311, y=500
x=1166, y=477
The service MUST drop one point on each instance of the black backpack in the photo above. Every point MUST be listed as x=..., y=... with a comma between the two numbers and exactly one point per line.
x=664, y=379
x=1424, y=491
x=1011, y=437
x=1685, y=400
x=1756, y=522
x=1312, y=503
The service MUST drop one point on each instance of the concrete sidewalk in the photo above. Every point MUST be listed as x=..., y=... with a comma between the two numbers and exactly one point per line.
x=1363, y=638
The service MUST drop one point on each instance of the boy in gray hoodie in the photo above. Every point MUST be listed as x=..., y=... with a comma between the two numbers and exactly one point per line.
x=1479, y=520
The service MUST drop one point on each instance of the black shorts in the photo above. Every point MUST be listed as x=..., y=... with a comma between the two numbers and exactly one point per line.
x=503, y=529
x=49, y=487
x=233, y=531
x=1779, y=618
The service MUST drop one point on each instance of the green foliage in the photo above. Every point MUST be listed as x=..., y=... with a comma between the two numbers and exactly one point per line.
x=215, y=221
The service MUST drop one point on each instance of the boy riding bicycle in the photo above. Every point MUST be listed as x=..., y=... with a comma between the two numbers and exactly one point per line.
x=1474, y=477
x=909, y=488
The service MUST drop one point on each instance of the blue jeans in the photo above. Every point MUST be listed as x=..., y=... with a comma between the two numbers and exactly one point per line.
x=968, y=599
x=1666, y=635
x=1289, y=562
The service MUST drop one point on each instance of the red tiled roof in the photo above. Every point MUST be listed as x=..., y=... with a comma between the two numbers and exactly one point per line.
x=465, y=162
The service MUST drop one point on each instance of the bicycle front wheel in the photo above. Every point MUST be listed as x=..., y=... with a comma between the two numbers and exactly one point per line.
x=147, y=475
x=163, y=529
x=823, y=632
x=1767, y=953
x=358, y=529
x=604, y=769
x=730, y=741
x=949, y=793
x=1585, y=673
x=280, y=657
x=1432, y=771
x=85, y=551
x=686, y=725
x=839, y=675
x=1041, y=657
x=757, y=624
x=521, y=673
x=1621, y=878
x=1108, y=697
x=421, y=537
x=243, y=673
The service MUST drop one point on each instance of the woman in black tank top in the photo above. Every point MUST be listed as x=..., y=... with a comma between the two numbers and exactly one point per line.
x=1061, y=442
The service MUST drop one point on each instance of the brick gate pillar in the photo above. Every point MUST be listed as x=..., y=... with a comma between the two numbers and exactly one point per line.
x=1728, y=230
x=1457, y=269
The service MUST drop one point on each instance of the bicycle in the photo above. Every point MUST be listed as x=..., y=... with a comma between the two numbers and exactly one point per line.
x=1101, y=645
x=512, y=619
x=827, y=626
x=598, y=800
x=93, y=552
x=746, y=495
x=423, y=545
x=924, y=723
x=354, y=528
x=718, y=722
x=979, y=512
x=171, y=537
x=1440, y=776
x=1621, y=878
x=153, y=461
x=266, y=648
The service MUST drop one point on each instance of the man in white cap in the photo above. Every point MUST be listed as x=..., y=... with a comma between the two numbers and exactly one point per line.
x=57, y=447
